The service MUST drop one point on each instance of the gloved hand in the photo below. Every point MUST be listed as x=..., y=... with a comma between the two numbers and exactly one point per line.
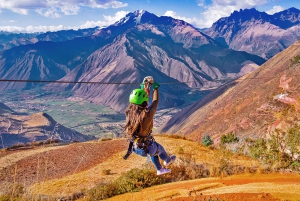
x=155, y=85
x=148, y=79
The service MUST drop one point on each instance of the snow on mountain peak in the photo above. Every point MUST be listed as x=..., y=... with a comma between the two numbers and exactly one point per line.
x=138, y=15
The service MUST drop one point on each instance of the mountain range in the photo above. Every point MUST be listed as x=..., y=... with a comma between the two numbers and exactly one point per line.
x=138, y=45
x=257, y=32
x=104, y=65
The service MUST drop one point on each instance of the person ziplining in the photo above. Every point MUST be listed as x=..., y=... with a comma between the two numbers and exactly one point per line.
x=139, y=124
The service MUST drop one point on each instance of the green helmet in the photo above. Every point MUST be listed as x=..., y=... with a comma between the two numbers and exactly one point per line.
x=138, y=96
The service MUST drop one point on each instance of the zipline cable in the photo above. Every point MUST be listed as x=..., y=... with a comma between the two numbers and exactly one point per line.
x=117, y=83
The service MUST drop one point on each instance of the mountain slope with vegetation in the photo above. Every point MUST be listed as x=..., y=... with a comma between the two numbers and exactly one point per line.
x=253, y=106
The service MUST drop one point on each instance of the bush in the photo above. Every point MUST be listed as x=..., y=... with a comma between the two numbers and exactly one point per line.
x=137, y=179
x=257, y=148
x=12, y=192
x=133, y=180
x=295, y=60
x=106, y=171
x=180, y=150
x=207, y=141
x=229, y=138
x=295, y=166
x=105, y=139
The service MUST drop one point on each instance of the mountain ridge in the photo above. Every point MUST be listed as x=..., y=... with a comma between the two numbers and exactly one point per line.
x=257, y=32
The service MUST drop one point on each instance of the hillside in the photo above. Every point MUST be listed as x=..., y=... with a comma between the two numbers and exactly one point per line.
x=20, y=129
x=83, y=163
x=252, y=106
x=64, y=171
x=250, y=187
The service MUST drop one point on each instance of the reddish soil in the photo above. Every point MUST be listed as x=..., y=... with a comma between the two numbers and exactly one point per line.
x=59, y=162
x=250, y=187
x=230, y=197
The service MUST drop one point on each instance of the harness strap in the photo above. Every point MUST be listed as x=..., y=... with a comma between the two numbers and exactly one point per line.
x=145, y=145
x=129, y=150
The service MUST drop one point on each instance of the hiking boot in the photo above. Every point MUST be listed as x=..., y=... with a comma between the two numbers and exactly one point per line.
x=163, y=171
x=173, y=157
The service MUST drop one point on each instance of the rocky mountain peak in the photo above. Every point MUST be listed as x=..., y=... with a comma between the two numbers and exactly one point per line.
x=247, y=15
x=287, y=18
x=136, y=17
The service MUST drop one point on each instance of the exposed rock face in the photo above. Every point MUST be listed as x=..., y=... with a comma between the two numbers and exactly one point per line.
x=253, y=106
x=257, y=32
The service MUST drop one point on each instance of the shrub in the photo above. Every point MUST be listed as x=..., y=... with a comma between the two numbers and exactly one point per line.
x=229, y=138
x=12, y=192
x=105, y=139
x=207, y=141
x=257, y=148
x=293, y=140
x=180, y=150
x=295, y=165
x=133, y=180
x=295, y=60
x=102, y=191
x=106, y=171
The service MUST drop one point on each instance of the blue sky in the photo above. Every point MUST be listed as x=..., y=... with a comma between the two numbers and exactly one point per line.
x=53, y=15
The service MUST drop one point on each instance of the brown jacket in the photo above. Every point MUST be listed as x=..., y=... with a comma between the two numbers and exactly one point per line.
x=147, y=123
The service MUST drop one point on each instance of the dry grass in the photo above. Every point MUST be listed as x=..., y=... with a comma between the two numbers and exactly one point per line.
x=78, y=181
x=283, y=187
x=89, y=178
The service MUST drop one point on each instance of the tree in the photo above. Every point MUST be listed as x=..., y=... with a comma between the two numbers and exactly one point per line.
x=206, y=141
x=293, y=140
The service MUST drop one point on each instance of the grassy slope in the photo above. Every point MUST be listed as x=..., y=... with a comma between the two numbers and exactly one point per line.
x=254, y=186
x=89, y=178
x=283, y=186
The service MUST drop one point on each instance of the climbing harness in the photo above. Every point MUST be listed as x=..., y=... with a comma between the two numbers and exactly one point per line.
x=137, y=142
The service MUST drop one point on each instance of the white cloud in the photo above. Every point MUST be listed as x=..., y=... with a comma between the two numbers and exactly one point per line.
x=109, y=20
x=173, y=14
x=275, y=9
x=200, y=3
x=118, y=15
x=56, y=8
x=30, y=29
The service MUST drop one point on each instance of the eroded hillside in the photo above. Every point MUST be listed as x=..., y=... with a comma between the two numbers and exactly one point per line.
x=252, y=106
